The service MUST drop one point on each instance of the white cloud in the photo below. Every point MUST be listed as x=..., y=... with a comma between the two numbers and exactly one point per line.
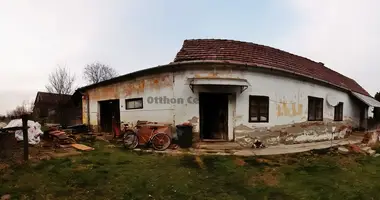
x=342, y=34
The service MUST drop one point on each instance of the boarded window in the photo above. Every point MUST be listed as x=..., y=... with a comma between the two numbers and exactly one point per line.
x=338, y=112
x=315, y=109
x=258, y=109
x=136, y=103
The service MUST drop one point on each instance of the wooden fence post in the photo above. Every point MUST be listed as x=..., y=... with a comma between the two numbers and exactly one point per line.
x=25, y=136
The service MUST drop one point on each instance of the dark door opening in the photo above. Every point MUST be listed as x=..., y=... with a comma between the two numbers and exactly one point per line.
x=109, y=113
x=363, y=117
x=213, y=110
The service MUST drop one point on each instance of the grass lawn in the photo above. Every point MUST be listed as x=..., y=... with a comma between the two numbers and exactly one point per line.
x=114, y=173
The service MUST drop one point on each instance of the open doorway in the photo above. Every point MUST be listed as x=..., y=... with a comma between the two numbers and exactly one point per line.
x=109, y=114
x=213, y=110
x=363, y=120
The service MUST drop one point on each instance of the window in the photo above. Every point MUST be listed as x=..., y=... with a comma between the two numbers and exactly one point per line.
x=136, y=103
x=338, y=112
x=315, y=110
x=258, y=109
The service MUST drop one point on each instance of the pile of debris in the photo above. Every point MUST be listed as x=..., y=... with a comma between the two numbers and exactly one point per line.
x=368, y=145
x=362, y=148
x=34, y=130
x=61, y=138
x=69, y=137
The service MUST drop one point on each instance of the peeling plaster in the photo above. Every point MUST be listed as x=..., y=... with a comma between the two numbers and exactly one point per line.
x=313, y=136
x=293, y=133
x=194, y=120
x=125, y=89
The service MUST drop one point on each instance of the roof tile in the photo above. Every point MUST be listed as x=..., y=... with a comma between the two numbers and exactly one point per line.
x=250, y=53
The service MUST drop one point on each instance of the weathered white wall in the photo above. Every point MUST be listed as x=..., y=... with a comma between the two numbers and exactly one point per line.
x=288, y=99
x=146, y=86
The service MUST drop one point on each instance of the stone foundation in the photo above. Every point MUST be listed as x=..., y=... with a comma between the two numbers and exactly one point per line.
x=292, y=134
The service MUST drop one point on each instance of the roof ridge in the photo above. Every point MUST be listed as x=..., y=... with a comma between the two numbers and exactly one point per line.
x=260, y=45
x=51, y=93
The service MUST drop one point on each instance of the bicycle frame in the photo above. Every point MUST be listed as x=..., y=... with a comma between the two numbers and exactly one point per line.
x=117, y=131
x=148, y=134
x=145, y=136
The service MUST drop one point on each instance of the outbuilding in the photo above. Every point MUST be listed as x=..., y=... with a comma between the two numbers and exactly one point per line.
x=234, y=91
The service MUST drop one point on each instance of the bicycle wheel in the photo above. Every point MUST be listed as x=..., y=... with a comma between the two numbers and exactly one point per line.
x=160, y=141
x=130, y=140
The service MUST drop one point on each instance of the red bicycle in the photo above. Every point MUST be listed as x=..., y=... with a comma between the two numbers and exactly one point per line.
x=153, y=135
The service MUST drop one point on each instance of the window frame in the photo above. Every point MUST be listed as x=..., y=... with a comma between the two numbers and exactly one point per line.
x=338, y=117
x=260, y=99
x=315, y=111
x=134, y=99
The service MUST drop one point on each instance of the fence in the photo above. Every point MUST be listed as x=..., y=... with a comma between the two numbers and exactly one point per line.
x=10, y=149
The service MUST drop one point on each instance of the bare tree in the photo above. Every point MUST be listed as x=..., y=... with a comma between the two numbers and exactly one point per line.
x=97, y=72
x=61, y=81
x=31, y=105
x=20, y=110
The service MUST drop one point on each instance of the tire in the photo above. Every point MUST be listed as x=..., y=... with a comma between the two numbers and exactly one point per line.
x=130, y=140
x=160, y=141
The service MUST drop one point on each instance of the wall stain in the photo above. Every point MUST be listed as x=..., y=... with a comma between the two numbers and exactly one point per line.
x=84, y=111
x=283, y=109
x=137, y=86
x=125, y=89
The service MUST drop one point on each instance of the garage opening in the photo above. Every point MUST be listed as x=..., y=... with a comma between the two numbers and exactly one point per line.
x=213, y=109
x=109, y=114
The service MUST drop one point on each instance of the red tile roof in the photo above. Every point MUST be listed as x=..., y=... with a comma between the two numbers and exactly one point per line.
x=259, y=55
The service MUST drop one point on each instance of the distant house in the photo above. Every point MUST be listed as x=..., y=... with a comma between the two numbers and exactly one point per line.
x=56, y=108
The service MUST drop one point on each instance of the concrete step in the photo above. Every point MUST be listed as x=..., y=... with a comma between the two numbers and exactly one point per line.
x=219, y=145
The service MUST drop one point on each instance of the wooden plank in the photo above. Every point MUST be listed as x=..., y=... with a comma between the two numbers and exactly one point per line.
x=82, y=147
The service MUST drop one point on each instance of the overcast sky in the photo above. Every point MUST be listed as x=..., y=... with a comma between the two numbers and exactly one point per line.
x=38, y=35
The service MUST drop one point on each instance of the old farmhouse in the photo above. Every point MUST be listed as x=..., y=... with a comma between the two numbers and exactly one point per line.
x=234, y=91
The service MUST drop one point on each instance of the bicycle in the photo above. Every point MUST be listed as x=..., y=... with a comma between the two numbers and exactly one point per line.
x=117, y=132
x=146, y=135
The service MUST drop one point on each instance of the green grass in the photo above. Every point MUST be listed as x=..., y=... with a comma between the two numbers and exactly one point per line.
x=114, y=173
